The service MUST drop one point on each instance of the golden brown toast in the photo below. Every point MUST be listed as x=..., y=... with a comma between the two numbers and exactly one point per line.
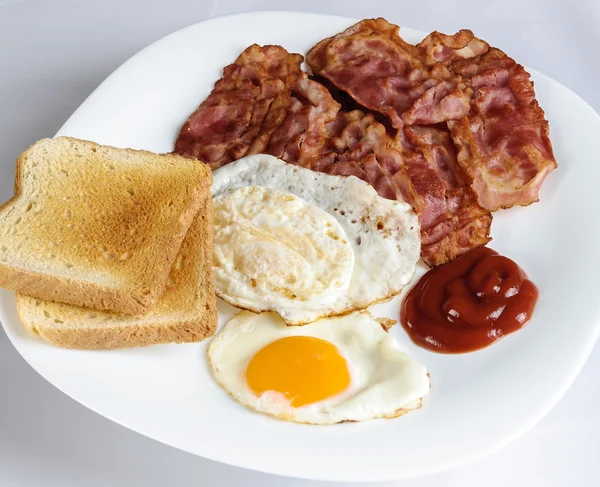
x=186, y=312
x=97, y=226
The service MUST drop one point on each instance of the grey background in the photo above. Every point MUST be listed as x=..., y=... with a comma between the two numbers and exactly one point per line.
x=54, y=53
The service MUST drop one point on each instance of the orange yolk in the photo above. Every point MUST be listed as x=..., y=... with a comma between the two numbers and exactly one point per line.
x=303, y=369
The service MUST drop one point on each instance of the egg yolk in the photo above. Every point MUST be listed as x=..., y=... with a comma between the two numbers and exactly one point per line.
x=304, y=369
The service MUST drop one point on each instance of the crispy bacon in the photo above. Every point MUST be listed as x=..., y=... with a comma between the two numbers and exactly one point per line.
x=372, y=63
x=485, y=96
x=302, y=133
x=451, y=220
x=263, y=104
x=359, y=146
x=317, y=57
x=229, y=121
x=393, y=115
x=503, y=142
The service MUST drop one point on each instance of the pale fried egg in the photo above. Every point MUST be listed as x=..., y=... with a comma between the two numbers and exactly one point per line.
x=335, y=369
x=273, y=250
x=382, y=234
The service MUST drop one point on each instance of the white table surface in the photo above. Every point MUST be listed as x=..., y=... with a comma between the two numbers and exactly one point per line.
x=53, y=53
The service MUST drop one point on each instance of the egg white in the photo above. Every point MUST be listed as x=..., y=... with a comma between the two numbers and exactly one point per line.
x=383, y=234
x=274, y=251
x=385, y=382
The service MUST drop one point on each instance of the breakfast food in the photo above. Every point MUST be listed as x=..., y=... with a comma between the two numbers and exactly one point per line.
x=333, y=370
x=458, y=134
x=503, y=143
x=229, y=120
x=186, y=311
x=96, y=226
x=275, y=251
x=306, y=126
x=327, y=189
x=313, y=125
x=382, y=72
x=469, y=303
x=422, y=171
x=382, y=234
x=452, y=222
x=484, y=96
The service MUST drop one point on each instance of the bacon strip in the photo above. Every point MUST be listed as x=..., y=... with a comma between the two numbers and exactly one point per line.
x=503, y=143
x=451, y=220
x=302, y=133
x=372, y=63
x=230, y=120
x=359, y=146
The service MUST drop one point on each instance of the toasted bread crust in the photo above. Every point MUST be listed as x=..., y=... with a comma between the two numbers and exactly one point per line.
x=61, y=289
x=114, y=337
x=92, y=294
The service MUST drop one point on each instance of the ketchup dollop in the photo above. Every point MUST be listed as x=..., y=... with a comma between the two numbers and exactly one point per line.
x=469, y=303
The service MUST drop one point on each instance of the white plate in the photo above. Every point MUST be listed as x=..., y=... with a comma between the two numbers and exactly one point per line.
x=478, y=402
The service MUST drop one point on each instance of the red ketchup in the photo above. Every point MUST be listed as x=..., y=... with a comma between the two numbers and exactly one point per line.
x=469, y=303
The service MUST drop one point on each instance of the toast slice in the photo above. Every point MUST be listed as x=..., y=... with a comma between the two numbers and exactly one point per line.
x=97, y=226
x=186, y=312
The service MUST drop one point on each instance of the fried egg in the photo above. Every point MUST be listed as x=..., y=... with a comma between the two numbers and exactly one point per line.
x=382, y=234
x=335, y=369
x=272, y=250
